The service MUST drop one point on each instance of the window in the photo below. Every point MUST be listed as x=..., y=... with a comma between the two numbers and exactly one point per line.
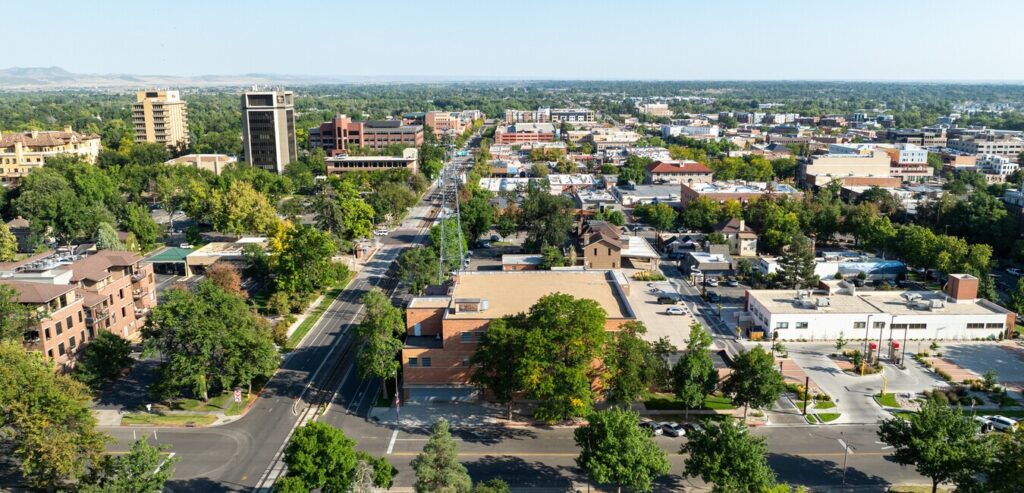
x=975, y=326
x=469, y=337
x=412, y=362
x=801, y=325
x=993, y=326
x=81, y=335
x=860, y=325
x=782, y=325
x=72, y=342
x=426, y=362
x=79, y=316
x=70, y=321
x=465, y=361
x=124, y=312
x=46, y=333
x=92, y=332
x=120, y=293
x=61, y=350
x=60, y=329
x=595, y=250
x=879, y=325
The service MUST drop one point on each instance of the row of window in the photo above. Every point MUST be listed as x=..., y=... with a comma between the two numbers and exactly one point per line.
x=425, y=362
x=881, y=325
x=985, y=326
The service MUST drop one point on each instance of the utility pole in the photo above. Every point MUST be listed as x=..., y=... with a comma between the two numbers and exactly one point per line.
x=807, y=392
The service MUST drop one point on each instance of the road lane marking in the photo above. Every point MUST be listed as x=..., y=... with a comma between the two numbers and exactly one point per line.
x=391, y=446
x=576, y=454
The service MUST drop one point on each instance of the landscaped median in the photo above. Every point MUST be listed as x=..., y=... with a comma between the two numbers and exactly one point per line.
x=887, y=400
x=191, y=412
x=669, y=402
x=153, y=419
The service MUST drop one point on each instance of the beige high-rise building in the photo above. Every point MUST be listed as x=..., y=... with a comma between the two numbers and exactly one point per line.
x=161, y=117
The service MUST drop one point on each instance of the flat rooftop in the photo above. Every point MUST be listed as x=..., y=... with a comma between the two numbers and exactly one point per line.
x=890, y=302
x=509, y=292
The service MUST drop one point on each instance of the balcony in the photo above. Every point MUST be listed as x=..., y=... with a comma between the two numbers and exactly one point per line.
x=32, y=341
x=138, y=294
x=141, y=312
x=97, y=315
x=136, y=277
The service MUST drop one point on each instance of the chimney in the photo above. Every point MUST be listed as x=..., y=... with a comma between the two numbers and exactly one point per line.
x=67, y=128
x=743, y=225
x=962, y=287
x=34, y=133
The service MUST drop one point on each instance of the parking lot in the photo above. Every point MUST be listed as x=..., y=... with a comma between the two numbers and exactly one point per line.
x=643, y=297
x=1007, y=359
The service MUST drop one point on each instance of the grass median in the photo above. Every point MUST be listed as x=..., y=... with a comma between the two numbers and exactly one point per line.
x=167, y=419
x=887, y=400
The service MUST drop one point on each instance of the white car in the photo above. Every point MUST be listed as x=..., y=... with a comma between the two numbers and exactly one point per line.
x=672, y=429
x=712, y=282
x=1013, y=271
x=1002, y=423
x=380, y=232
x=675, y=310
x=653, y=427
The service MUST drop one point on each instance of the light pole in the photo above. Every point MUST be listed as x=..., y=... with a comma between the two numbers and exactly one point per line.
x=846, y=455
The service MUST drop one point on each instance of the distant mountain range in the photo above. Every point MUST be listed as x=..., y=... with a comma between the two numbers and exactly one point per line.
x=36, y=78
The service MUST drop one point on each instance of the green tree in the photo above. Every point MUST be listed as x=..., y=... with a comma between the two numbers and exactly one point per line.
x=694, y=374
x=15, y=317
x=452, y=262
x=506, y=224
x=437, y=467
x=615, y=450
x=631, y=365
x=103, y=359
x=552, y=257
x=144, y=469
x=208, y=339
x=477, y=213
x=417, y=267
x=241, y=209
x=616, y=217
x=8, y=244
x=1005, y=472
x=301, y=260
x=754, y=380
x=380, y=331
x=729, y=458
x=796, y=265
x=547, y=219
x=322, y=457
x=940, y=442
x=492, y=486
x=137, y=221
x=106, y=238
x=701, y=214
x=661, y=216
x=495, y=370
x=46, y=420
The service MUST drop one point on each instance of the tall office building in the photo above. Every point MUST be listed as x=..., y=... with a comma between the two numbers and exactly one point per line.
x=161, y=117
x=268, y=129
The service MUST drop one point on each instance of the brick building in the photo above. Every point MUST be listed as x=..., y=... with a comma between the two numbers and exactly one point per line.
x=335, y=136
x=444, y=330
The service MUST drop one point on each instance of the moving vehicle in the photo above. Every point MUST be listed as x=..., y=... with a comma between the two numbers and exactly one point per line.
x=380, y=232
x=652, y=427
x=666, y=300
x=732, y=282
x=714, y=297
x=712, y=281
x=672, y=429
x=1013, y=271
x=675, y=310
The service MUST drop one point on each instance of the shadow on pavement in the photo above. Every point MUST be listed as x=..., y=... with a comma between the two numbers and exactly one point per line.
x=202, y=485
x=130, y=391
x=520, y=473
x=829, y=370
x=795, y=469
x=492, y=435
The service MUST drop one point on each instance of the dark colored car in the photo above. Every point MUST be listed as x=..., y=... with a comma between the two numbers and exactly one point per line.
x=666, y=300
x=714, y=297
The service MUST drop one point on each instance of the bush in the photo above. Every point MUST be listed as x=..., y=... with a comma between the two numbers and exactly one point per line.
x=279, y=303
x=280, y=330
x=649, y=275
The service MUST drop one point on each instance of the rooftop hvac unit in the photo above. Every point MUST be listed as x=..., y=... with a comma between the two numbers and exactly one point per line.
x=823, y=302
x=937, y=304
x=910, y=296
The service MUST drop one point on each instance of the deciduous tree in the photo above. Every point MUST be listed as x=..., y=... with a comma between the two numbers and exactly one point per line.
x=754, y=381
x=796, y=265
x=437, y=467
x=631, y=364
x=103, y=359
x=729, y=458
x=144, y=469
x=615, y=450
x=380, y=331
x=694, y=374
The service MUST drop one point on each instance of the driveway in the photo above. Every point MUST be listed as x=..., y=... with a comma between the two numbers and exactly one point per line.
x=645, y=305
x=852, y=395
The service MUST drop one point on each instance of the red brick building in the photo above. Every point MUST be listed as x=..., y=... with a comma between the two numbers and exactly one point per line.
x=335, y=136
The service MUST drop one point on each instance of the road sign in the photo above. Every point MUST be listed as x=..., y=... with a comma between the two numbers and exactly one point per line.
x=238, y=395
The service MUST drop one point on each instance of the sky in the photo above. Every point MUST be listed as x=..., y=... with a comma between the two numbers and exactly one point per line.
x=527, y=39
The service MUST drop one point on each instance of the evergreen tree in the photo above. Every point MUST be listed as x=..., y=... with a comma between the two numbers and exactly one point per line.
x=796, y=265
x=694, y=374
x=437, y=467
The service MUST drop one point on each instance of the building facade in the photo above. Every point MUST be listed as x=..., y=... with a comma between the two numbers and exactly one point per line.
x=21, y=152
x=1001, y=145
x=161, y=117
x=443, y=122
x=337, y=165
x=335, y=136
x=677, y=172
x=214, y=163
x=524, y=132
x=268, y=129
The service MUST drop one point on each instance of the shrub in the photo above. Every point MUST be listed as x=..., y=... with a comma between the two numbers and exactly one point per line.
x=649, y=275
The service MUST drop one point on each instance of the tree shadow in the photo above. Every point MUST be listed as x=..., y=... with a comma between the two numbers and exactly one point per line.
x=829, y=370
x=520, y=473
x=202, y=485
x=796, y=469
x=130, y=391
x=492, y=435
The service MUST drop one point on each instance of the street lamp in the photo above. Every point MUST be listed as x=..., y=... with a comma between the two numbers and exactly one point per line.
x=846, y=455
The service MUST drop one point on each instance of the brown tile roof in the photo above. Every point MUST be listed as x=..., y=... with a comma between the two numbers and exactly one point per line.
x=732, y=226
x=677, y=167
x=43, y=138
x=36, y=293
x=97, y=266
x=18, y=223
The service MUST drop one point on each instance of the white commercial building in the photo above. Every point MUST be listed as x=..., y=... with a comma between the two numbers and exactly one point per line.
x=689, y=130
x=849, y=264
x=885, y=316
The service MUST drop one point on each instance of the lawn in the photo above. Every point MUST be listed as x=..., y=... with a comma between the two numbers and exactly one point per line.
x=223, y=402
x=827, y=417
x=917, y=489
x=668, y=402
x=167, y=419
x=887, y=400
x=824, y=405
x=317, y=312
x=1009, y=413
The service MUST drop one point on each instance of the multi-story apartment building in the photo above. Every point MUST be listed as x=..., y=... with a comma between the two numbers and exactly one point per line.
x=550, y=115
x=21, y=152
x=268, y=129
x=444, y=330
x=335, y=136
x=996, y=168
x=654, y=109
x=572, y=115
x=988, y=143
x=161, y=117
x=721, y=191
x=75, y=298
x=443, y=122
x=923, y=137
x=689, y=131
x=908, y=162
x=210, y=162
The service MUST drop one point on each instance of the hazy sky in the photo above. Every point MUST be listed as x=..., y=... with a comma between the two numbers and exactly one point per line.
x=599, y=39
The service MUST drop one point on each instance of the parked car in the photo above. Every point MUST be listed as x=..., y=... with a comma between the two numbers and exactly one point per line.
x=675, y=310
x=711, y=281
x=651, y=426
x=1013, y=271
x=672, y=429
x=985, y=424
x=1002, y=423
x=495, y=238
x=714, y=297
x=380, y=232
x=694, y=427
x=666, y=300
x=732, y=282
x=857, y=282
